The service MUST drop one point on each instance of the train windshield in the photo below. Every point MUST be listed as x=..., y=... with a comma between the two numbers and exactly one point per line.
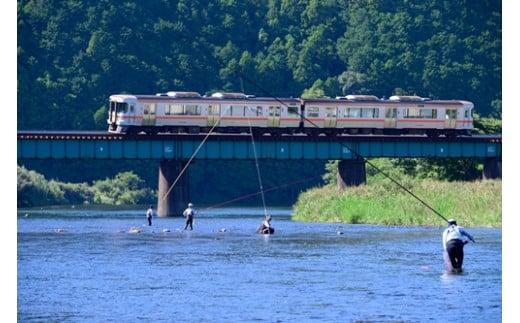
x=118, y=107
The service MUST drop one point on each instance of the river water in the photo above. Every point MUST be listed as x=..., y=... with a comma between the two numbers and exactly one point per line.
x=76, y=265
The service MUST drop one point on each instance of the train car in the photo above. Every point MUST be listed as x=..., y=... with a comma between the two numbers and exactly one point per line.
x=189, y=112
x=416, y=115
x=352, y=114
x=366, y=114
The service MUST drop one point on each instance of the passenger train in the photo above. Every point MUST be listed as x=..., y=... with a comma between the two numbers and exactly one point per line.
x=189, y=112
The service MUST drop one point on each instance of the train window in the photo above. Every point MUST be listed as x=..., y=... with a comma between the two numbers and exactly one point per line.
x=132, y=108
x=214, y=109
x=416, y=113
x=451, y=114
x=391, y=113
x=313, y=112
x=292, y=110
x=146, y=109
x=226, y=111
x=191, y=109
x=175, y=109
x=274, y=111
x=331, y=112
x=238, y=110
x=259, y=111
x=369, y=113
x=353, y=113
x=466, y=114
x=121, y=107
x=412, y=113
x=428, y=113
x=253, y=111
x=149, y=108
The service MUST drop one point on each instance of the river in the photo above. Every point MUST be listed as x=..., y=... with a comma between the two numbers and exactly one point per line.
x=83, y=265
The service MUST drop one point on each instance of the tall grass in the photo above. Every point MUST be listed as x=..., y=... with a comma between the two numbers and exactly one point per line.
x=476, y=203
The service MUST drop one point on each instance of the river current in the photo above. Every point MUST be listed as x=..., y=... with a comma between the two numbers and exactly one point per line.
x=84, y=265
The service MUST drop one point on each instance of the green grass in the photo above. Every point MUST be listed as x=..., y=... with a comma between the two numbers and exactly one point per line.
x=476, y=203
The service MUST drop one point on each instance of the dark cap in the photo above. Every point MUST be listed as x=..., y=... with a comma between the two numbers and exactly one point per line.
x=452, y=222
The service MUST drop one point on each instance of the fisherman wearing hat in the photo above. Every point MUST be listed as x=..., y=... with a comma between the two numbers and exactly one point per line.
x=453, y=239
x=188, y=214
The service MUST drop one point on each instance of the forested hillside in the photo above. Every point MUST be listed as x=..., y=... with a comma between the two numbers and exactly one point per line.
x=73, y=54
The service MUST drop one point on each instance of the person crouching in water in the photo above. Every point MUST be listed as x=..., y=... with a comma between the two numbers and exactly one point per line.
x=189, y=213
x=453, y=239
x=265, y=227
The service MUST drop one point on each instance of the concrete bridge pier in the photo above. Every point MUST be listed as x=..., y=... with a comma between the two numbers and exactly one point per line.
x=492, y=168
x=351, y=172
x=178, y=198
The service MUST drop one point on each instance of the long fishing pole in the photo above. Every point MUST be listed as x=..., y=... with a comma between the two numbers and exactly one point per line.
x=191, y=158
x=257, y=167
x=350, y=149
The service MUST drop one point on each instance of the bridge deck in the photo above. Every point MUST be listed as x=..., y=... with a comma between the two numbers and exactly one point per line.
x=103, y=145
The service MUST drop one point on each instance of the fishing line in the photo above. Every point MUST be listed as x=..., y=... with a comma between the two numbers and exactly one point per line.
x=257, y=166
x=272, y=188
x=350, y=149
x=192, y=156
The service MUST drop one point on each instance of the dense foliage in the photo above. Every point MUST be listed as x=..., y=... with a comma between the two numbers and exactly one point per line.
x=211, y=182
x=125, y=189
x=73, y=54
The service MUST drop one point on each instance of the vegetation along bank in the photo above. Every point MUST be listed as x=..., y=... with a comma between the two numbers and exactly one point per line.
x=472, y=203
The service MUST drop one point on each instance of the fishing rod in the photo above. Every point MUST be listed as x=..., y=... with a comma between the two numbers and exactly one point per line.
x=350, y=149
x=191, y=158
x=257, y=167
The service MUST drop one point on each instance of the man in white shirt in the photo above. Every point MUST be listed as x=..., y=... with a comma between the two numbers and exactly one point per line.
x=453, y=240
x=149, y=214
x=189, y=213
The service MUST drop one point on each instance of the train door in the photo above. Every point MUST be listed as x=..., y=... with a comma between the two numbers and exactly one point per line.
x=273, y=120
x=149, y=114
x=213, y=114
x=331, y=115
x=451, y=118
x=390, y=117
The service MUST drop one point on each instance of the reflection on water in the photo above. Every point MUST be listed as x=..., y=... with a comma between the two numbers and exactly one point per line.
x=84, y=265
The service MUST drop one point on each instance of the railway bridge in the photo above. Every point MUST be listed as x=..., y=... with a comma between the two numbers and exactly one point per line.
x=174, y=150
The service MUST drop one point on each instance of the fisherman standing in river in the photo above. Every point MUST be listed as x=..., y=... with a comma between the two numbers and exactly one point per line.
x=453, y=239
x=149, y=214
x=189, y=213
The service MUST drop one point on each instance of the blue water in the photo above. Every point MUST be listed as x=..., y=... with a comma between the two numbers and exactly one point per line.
x=77, y=265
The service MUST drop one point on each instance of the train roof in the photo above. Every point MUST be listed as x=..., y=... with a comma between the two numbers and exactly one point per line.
x=237, y=98
x=241, y=97
x=344, y=100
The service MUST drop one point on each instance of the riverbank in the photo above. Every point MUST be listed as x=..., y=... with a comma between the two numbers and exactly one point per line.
x=477, y=203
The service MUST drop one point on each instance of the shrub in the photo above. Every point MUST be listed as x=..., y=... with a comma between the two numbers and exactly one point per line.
x=34, y=190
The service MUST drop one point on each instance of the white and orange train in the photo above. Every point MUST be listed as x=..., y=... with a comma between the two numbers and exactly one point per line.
x=189, y=112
